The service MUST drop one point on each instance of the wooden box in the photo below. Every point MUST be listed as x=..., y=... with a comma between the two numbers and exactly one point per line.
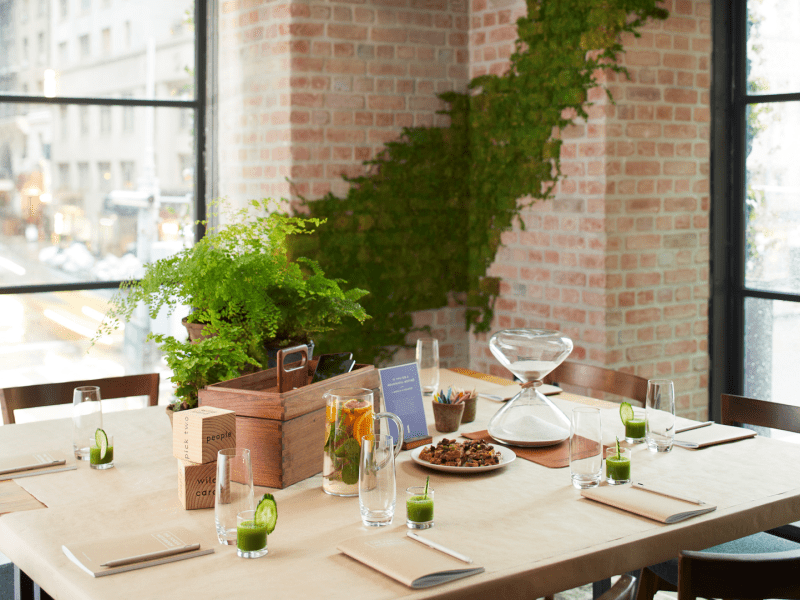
x=285, y=431
x=198, y=434
x=196, y=484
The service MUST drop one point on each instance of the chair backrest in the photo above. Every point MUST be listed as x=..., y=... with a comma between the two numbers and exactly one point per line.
x=743, y=576
x=738, y=410
x=623, y=589
x=50, y=394
x=600, y=379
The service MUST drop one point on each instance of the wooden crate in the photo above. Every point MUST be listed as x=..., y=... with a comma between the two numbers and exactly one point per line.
x=285, y=431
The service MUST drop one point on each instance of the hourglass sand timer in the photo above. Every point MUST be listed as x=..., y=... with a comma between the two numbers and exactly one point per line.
x=530, y=418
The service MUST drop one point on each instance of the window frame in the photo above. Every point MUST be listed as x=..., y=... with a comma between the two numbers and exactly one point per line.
x=729, y=293
x=198, y=104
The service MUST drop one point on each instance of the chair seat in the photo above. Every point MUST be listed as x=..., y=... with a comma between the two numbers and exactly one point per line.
x=752, y=544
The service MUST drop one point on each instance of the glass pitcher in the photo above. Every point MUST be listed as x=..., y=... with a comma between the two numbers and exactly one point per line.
x=349, y=416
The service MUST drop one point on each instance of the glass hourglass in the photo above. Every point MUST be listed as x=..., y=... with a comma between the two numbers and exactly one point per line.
x=530, y=418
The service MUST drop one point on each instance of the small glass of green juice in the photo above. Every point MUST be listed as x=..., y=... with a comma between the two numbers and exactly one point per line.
x=618, y=465
x=635, y=429
x=98, y=460
x=251, y=536
x=419, y=507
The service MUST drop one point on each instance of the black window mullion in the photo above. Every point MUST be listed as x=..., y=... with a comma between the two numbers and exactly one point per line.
x=198, y=104
x=21, y=99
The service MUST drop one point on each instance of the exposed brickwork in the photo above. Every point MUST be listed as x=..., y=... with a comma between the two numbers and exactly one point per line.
x=618, y=260
x=321, y=86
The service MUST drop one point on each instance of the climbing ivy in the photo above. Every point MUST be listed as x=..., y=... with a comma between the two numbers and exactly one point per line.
x=425, y=221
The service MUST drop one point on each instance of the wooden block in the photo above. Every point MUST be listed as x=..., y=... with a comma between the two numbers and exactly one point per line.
x=196, y=484
x=198, y=434
x=417, y=442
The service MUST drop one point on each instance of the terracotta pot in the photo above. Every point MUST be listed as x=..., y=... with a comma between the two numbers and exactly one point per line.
x=195, y=330
x=447, y=417
x=470, y=406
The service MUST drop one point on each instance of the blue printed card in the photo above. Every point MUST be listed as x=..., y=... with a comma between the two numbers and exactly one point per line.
x=402, y=395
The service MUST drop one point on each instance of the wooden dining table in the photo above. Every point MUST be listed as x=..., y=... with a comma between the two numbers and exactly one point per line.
x=524, y=523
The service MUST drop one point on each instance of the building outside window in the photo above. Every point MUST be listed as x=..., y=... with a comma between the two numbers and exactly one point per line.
x=126, y=169
x=103, y=198
x=41, y=51
x=106, y=36
x=83, y=44
x=63, y=176
x=83, y=176
x=104, y=175
x=105, y=120
x=83, y=111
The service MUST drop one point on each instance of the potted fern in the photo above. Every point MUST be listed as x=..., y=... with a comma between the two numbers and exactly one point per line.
x=246, y=294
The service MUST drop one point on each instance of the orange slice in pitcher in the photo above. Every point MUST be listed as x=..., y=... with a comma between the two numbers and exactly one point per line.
x=330, y=413
x=362, y=426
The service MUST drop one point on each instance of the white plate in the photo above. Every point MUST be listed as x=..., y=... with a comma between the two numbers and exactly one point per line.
x=506, y=456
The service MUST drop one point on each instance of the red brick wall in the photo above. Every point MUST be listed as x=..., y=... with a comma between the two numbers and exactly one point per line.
x=618, y=260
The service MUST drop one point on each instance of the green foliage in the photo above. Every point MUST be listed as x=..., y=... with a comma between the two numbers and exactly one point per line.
x=245, y=290
x=427, y=219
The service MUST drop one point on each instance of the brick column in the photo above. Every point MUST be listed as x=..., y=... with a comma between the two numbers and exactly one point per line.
x=618, y=260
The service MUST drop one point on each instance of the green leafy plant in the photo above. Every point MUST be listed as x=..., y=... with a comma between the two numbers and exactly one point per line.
x=246, y=293
x=421, y=228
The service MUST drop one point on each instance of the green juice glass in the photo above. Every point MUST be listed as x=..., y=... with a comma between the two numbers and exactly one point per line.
x=635, y=429
x=419, y=507
x=106, y=462
x=618, y=466
x=251, y=537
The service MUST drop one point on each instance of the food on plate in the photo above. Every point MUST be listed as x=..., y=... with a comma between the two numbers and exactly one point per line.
x=450, y=453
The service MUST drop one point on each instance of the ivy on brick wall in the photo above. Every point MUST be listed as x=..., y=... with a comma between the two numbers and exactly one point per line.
x=423, y=225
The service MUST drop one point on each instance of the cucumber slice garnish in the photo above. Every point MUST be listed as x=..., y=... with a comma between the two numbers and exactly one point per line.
x=267, y=513
x=101, y=439
x=625, y=412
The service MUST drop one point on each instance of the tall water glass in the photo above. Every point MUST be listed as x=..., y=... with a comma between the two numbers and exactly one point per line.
x=87, y=417
x=660, y=415
x=585, y=448
x=428, y=363
x=377, y=493
x=234, y=491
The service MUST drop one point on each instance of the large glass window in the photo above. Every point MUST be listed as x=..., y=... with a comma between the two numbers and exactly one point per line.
x=756, y=310
x=99, y=174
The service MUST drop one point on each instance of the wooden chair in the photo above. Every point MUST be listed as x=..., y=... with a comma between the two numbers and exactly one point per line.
x=599, y=379
x=50, y=394
x=743, y=576
x=623, y=589
x=737, y=410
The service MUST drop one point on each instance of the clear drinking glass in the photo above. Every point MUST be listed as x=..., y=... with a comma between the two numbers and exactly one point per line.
x=428, y=363
x=660, y=414
x=87, y=417
x=419, y=507
x=104, y=462
x=585, y=448
x=636, y=427
x=234, y=491
x=377, y=493
x=251, y=537
x=618, y=465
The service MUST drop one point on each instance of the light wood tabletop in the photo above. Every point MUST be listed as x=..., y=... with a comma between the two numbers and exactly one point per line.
x=524, y=523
